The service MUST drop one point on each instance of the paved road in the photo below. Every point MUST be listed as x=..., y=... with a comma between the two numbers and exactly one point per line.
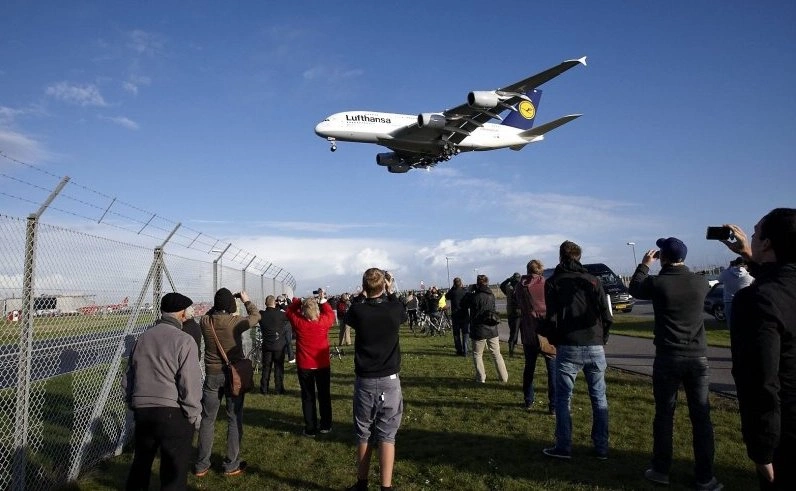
x=637, y=354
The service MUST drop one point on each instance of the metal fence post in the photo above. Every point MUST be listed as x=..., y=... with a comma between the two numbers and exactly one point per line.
x=22, y=417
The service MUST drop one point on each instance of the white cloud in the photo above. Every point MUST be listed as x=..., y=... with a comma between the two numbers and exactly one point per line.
x=21, y=147
x=8, y=115
x=339, y=263
x=83, y=95
x=121, y=121
x=134, y=82
x=143, y=42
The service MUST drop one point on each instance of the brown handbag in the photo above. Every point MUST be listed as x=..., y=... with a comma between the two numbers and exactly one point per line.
x=239, y=375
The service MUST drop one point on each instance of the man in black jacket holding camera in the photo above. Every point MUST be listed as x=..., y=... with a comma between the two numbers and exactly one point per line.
x=763, y=333
x=677, y=297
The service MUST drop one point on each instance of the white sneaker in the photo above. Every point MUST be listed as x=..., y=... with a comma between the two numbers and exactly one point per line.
x=292, y=361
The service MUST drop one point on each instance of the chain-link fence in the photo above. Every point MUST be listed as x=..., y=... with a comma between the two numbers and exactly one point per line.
x=73, y=304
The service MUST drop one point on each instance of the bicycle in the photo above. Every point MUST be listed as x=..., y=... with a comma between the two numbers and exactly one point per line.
x=255, y=354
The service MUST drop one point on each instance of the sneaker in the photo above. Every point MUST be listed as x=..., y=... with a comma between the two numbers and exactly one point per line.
x=712, y=485
x=557, y=453
x=529, y=406
x=238, y=471
x=655, y=476
x=310, y=434
x=601, y=455
x=293, y=361
x=201, y=473
x=326, y=430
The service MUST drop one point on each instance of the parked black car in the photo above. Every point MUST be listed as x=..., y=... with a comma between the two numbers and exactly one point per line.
x=714, y=301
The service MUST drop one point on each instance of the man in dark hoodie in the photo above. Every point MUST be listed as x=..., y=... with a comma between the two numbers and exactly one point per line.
x=763, y=334
x=459, y=316
x=579, y=318
x=513, y=312
x=677, y=297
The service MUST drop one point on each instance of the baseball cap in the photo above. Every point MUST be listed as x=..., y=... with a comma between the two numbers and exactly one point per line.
x=673, y=248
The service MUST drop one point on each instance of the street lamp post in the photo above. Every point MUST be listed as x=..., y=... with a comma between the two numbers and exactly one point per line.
x=633, y=245
x=447, y=266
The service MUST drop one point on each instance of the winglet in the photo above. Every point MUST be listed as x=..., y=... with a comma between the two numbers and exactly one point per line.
x=582, y=61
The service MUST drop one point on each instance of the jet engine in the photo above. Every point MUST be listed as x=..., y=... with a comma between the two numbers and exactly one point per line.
x=389, y=158
x=482, y=98
x=398, y=169
x=431, y=120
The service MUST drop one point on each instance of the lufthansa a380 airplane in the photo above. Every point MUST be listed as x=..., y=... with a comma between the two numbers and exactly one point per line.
x=429, y=138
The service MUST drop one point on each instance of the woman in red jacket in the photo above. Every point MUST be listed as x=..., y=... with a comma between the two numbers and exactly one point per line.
x=311, y=320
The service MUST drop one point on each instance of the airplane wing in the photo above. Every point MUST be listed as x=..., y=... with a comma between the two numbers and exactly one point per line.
x=461, y=120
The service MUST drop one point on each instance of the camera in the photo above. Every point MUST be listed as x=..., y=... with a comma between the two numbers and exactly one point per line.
x=237, y=295
x=719, y=233
x=318, y=291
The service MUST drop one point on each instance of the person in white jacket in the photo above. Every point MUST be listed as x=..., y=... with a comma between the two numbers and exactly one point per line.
x=734, y=278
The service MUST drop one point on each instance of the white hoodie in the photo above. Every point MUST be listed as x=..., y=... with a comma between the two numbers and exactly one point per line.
x=734, y=279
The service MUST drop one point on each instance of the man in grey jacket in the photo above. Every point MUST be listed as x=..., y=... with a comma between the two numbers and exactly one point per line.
x=163, y=387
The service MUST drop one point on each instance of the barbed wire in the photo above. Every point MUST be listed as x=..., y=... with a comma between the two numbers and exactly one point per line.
x=101, y=208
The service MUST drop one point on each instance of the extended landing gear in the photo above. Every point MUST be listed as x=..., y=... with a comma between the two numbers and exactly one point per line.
x=448, y=151
x=332, y=141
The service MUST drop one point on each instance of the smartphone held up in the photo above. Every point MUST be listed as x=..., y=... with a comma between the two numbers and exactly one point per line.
x=719, y=233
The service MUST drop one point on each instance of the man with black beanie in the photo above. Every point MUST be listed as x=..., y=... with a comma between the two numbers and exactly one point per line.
x=221, y=323
x=163, y=387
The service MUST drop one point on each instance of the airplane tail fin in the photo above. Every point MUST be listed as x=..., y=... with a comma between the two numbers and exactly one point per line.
x=525, y=114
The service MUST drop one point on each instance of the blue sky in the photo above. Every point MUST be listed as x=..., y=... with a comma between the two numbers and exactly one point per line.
x=204, y=113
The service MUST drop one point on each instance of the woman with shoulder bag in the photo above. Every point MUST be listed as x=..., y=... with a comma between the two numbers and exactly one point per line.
x=529, y=296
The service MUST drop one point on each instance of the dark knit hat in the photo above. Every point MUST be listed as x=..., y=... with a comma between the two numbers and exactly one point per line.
x=174, y=302
x=672, y=248
x=225, y=301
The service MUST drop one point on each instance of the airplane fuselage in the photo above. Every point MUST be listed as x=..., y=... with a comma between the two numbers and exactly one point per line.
x=379, y=128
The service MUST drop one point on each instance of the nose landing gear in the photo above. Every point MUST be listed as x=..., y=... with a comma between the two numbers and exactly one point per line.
x=332, y=142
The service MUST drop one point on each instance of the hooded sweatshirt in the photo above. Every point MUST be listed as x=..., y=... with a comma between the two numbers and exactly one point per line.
x=734, y=278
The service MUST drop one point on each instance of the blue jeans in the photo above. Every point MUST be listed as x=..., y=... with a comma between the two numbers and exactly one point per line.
x=461, y=331
x=569, y=361
x=668, y=373
x=213, y=391
x=531, y=355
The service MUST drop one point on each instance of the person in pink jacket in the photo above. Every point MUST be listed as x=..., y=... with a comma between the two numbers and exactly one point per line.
x=312, y=319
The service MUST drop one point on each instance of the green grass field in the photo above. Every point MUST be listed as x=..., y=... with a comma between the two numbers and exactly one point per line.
x=716, y=332
x=457, y=434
